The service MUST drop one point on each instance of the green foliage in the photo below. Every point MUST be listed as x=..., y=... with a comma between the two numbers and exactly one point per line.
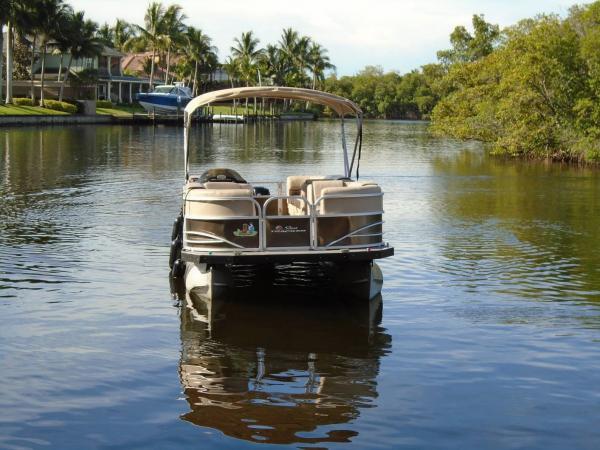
x=22, y=101
x=388, y=95
x=60, y=106
x=469, y=48
x=104, y=104
x=536, y=95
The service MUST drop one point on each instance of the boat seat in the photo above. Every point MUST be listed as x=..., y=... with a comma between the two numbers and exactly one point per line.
x=226, y=185
x=351, y=205
x=315, y=189
x=332, y=228
x=202, y=202
x=296, y=185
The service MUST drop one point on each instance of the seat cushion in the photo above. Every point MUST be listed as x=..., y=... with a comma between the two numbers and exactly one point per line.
x=315, y=189
x=226, y=185
x=206, y=203
x=295, y=183
x=351, y=205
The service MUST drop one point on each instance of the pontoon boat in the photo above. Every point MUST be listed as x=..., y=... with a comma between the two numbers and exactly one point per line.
x=314, y=229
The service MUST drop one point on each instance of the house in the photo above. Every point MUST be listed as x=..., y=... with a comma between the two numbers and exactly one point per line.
x=111, y=84
x=138, y=63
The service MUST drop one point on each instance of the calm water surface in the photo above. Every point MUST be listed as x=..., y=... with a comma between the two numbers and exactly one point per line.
x=489, y=335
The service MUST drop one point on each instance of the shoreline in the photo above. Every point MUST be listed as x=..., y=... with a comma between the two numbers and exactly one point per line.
x=136, y=119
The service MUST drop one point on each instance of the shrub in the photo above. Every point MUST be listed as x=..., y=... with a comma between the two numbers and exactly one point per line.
x=60, y=106
x=104, y=104
x=22, y=102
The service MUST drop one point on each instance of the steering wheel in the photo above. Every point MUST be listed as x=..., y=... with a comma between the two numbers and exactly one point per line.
x=221, y=175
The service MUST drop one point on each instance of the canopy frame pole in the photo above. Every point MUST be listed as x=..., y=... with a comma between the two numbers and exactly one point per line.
x=357, y=145
x=345, y=148
x=186, y=143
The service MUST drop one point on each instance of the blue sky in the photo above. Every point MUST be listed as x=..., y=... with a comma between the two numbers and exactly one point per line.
x=396, y=34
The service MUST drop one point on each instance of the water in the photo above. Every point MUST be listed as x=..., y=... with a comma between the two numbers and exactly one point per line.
x=489, y=335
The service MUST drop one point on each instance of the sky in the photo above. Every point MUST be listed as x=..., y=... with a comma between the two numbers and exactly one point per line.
x=396, y=34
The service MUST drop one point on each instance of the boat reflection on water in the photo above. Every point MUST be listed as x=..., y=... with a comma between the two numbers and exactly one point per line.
x=280, y=372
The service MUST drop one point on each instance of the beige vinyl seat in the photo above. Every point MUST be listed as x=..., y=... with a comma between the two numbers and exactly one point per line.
x=296, y=185
x=206, y=203
x=345, y=202
x=351, y=204
x=226, y=185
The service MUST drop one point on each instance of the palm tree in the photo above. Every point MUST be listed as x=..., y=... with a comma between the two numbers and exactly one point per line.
x=288, y=43
x=302, y=57
x=106, y=34
x=318, y=63
x=232, y=68
x=198, y=49
x=5, y=10
x=123, y=31
x=84, y=43
x=151, y=32
x=172, y=29
x=247, y=52
x=18, y=16
x=273, y=64
x=53, y=21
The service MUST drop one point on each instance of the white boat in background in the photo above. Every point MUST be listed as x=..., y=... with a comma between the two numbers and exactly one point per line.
x=313, y=229
x=227, y=118
x=166, y=99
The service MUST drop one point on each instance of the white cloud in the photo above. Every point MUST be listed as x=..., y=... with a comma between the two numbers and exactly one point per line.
x=397, y=34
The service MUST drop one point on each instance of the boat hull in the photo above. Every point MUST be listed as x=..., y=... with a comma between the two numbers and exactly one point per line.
x=162, y=104
x=353, y=281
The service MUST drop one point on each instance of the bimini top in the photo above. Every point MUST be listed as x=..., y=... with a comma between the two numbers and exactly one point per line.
x=340, y=105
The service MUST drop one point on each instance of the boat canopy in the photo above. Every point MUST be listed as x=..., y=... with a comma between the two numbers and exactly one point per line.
x=340, y=105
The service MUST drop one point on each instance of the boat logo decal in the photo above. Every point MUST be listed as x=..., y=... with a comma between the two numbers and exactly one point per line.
x=288, y=229
x=247, y=230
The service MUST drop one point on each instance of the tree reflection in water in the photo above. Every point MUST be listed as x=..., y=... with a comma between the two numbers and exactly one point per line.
x=279, y=371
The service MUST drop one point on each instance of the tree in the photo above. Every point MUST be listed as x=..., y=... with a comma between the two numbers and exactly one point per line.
x=248, y=54
x=151, y=32
x=19, y=16
x=318, y=63
x=122, y=32
x=272, y=64
x=467, y=47
x=106, y=35
x=523, y=96
x=53, y=20
x=232, y=68
x=83, y=42
x=198, y=49
x=5, y=7
x=172, y=29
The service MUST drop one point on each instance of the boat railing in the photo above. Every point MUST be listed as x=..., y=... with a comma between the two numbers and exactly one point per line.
x=372, y=230
x=219, y=231
x=271, y=227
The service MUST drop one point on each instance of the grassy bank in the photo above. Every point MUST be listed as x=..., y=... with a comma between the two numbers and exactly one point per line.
x=14, y=110
x=122, y=111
